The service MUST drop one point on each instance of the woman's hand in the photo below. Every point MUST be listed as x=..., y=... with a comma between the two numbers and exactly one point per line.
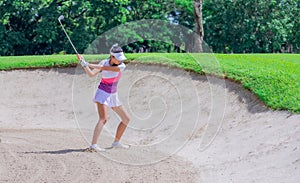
x=84, y=63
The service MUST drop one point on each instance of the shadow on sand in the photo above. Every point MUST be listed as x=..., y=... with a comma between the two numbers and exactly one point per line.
x=64, y=151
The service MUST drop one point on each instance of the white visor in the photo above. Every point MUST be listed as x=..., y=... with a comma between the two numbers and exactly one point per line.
x=119, y=56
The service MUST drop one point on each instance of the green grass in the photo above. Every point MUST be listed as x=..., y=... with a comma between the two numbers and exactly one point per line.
x=274, y=78
x=17, y=62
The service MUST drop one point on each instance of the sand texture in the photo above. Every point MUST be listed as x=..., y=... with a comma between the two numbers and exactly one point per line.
x=184, y=128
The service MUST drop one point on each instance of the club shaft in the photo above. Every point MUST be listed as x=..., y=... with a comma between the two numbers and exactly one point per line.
x=68, y=38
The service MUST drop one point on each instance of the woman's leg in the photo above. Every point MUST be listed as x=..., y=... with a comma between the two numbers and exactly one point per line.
x=102, y=112
x=124, y=121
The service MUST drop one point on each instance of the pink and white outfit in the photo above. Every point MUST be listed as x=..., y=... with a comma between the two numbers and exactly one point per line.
x=107, y=89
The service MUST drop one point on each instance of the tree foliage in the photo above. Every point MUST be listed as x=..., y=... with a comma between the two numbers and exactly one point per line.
x=30, y=27
x=252, y=26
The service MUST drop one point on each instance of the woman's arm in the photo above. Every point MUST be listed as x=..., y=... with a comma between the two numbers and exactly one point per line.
x=90, y=72
x=105, y=68
x=86, y=68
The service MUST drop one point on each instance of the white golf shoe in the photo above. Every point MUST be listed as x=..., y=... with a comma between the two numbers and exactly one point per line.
x=119, y=145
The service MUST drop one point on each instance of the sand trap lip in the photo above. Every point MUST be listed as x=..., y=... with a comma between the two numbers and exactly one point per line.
x=253, y=144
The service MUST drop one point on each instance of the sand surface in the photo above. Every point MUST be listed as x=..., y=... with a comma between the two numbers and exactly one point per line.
x=184, y=128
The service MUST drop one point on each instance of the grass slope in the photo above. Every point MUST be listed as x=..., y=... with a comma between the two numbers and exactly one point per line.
x=274, y=78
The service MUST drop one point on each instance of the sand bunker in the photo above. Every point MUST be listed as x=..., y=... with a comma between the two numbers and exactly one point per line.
x=184, y=128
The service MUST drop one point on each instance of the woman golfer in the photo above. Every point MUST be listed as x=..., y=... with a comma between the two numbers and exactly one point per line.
x=107, y=96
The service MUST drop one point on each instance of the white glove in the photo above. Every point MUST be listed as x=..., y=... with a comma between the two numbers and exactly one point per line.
x=83, y=63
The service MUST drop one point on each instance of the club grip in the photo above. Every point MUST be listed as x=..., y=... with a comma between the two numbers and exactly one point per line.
x=79, y=57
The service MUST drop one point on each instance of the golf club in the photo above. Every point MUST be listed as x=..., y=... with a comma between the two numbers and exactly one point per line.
x=59, y=19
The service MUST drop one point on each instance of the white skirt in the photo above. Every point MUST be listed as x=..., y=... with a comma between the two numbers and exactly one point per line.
x=109, y=99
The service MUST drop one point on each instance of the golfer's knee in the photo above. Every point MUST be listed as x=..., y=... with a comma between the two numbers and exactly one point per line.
x=103, y=121
x=126, y=120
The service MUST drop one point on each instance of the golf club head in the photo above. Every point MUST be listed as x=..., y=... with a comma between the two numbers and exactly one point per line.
x=60, y=17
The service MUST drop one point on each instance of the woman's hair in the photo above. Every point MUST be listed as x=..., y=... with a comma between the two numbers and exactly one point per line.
x=116, y=48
